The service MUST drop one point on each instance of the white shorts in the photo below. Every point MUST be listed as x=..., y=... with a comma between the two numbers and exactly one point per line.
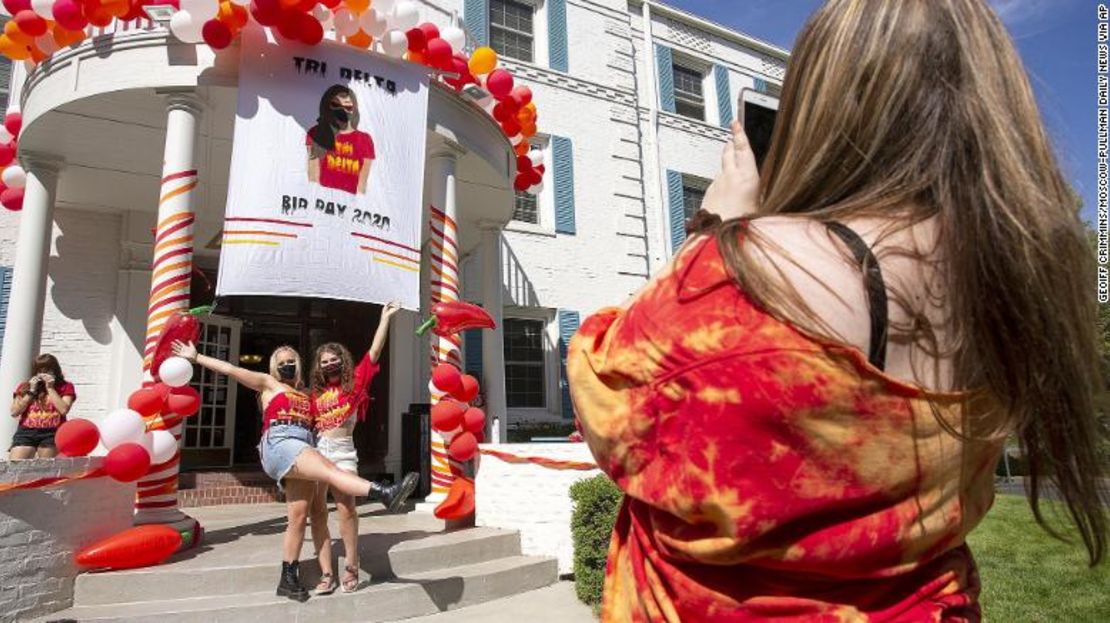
x=339, y=450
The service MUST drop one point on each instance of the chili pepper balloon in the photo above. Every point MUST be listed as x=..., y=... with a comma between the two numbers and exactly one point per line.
x=183, y=327
x=450, y=317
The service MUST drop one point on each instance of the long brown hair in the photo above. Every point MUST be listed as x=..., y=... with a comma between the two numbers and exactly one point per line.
x=920, y=110
x=47, y=363
x=346, y=376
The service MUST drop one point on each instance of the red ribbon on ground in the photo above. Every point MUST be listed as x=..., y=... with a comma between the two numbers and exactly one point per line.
x=539, y=460
x=42, y=483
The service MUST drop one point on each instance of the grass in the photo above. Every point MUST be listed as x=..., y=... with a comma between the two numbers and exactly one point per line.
x=1029, y=576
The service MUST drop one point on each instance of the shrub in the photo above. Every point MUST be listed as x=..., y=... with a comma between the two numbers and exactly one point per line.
x=596, y=502
x=525, y=431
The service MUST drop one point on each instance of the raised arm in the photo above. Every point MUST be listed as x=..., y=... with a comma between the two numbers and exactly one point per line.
x=255, y=381
x=382, y=333
x=22, y=399
x=62, y=403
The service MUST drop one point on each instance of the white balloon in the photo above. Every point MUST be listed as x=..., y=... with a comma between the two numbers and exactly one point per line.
x=201, y=10
x=163, y=447
x=384, y=7
x=395, y=43
x=536, y=156
x=323, y=15
x=47, y=44
x=43, y=8
x=374, y=23
x=536, y=189
x=121, y=426
x=176, y=371
x=186, y=28
x=516, y=139
x=346, y=23
x=146, y=441
x=455, y=36
x=14, y=176
x=5, y=136
x=406, y=15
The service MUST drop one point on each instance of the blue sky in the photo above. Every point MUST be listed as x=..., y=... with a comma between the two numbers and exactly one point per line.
x=1056, y=39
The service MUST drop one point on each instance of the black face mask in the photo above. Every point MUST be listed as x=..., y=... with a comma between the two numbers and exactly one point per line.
x=333, y=369
x=287, y=371
x=341, y=115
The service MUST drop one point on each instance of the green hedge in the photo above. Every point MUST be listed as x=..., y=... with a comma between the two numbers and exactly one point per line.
x=596, y=502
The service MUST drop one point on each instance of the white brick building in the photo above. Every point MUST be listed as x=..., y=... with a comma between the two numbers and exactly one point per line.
x=632, y=98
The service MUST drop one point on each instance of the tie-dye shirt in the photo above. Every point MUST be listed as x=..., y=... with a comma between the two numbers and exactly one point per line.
x=770, y=474
x=335, y=406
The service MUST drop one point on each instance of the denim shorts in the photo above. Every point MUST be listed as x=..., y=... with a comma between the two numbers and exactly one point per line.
x=280, y=447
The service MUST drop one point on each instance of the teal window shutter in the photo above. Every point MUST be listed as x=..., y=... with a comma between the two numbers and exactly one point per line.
x=664, y=60
x=724, y=95
x=472, y=348
x=677, y=209
x=562, y=155
x=761, y=85
x=568, y=326
x=5, y=294
x=476, y=18
x=557, y=34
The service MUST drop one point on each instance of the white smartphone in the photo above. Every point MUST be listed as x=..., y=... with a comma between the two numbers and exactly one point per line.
x=757, y=112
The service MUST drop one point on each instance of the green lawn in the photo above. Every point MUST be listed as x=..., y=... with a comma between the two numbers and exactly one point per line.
x=1029, y=576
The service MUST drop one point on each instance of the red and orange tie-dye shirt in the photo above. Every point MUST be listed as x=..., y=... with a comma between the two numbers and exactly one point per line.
x=770, y=474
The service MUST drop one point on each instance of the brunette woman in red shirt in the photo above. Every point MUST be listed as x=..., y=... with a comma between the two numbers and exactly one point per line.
x=340, y=395
x=41, y=404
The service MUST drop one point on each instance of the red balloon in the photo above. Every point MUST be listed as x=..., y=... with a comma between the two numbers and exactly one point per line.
x=447, y=415
x=70, y=15
x=430, y=31
x=216, y=34
x=459, y=66
x=7, y=154
x=480, y=436
x=417, y=40
x=331, y=4
x=14, y=123
x=312, y=31
x=76, y=437
x=162, y=389
x=534, y=177
x=446, y=378
x=12, y=199
x=463, y=447
x=15, y=6
x=438, y=53
x=521, y=183
x=522, y=95
x=183, y=400
x=127, y=462
x=468, y=389
x=30, y=23
x=289, y=25
x=503, y=111
x=146, y=401
x=474, y=420
x=499, y=83
x=134, y=11
x=132, y=548
x=266, y=12
x=523, y=164
x=511, y=127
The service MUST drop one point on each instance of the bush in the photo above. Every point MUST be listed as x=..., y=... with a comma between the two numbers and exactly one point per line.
x=596, y=502
x=525, y=431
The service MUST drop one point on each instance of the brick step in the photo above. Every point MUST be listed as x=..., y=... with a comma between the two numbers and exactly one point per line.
x=230, y=494
x=196, y=480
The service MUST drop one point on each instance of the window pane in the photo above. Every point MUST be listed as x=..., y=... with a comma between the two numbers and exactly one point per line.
x=511, y=44
x=525, y=377
x=525, y=209
x=691, y=200
x=693, y=111
x=687, y=83
x=511, y=29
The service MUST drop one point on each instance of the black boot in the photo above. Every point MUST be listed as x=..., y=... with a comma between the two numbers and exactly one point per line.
x=290, y=584
x=395, y=495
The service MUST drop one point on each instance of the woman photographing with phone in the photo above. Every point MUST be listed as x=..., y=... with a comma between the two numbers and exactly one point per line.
x=806, y=407
x=287, y=451
x=41, y=403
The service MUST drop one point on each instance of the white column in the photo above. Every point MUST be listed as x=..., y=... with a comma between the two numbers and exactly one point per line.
x=493, y=342
x=23, y=329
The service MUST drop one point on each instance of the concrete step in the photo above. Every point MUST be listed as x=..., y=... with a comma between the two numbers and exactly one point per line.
x=405, y=596
x=232, y=569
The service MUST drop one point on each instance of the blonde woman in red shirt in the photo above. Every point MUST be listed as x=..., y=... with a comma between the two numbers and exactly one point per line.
x=341, y=398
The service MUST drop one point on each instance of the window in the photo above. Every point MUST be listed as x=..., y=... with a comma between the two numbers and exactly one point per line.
x=688, y=94
x=511, y=29
x=525, y=376
x=5, y=74
x=526, y=209
x=692, y=196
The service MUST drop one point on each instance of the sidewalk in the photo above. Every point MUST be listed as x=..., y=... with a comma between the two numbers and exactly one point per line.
x=554, y=604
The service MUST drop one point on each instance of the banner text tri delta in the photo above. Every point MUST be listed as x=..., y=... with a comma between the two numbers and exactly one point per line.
x=314, y=67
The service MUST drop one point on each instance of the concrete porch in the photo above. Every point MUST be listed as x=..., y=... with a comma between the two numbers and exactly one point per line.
x=410, y=567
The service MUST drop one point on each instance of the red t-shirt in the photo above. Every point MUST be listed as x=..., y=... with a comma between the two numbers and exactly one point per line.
x=42, y=413
x=341, y=167
x=333, y=405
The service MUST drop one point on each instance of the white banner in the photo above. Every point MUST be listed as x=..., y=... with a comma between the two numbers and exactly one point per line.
x=327, y=175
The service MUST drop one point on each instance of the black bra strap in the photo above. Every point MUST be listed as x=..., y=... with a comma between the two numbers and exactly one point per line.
x=876, y=290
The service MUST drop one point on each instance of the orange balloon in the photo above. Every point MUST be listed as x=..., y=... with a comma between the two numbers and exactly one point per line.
x=528, y=131
x=118, y=8
x=414, y=57
x=15, y=34
x=65, y=38
x=482, y=61
x=11, y=49
x=100, y=16
x=358, y=6
x=360, y=40
x=37, y=55
x=233, y=15
x=522, y=148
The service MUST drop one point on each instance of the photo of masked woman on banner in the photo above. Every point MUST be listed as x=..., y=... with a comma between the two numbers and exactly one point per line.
x=339, y=154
